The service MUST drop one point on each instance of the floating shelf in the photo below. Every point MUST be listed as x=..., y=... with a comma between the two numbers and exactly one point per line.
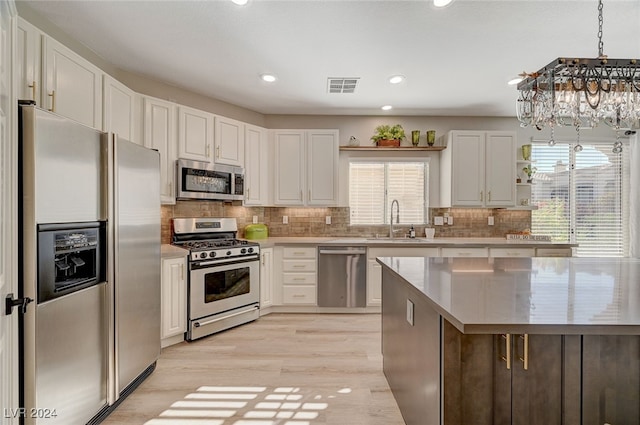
x=392, y=148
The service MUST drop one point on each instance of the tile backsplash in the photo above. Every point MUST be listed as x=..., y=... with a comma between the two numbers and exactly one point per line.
x=467, y=222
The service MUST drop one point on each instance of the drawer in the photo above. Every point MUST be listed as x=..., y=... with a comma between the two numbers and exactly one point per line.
x=554, y=252
x=372, y=253
x=299, y=294
x=512, y=252
x=299, y=278
x=465, y=252
x=298, y=265
x=299, y=252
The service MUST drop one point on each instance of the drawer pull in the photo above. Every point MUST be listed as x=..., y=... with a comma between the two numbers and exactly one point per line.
x=299, y=296
x=299, y=266
x=298, y=279
x=525, y=349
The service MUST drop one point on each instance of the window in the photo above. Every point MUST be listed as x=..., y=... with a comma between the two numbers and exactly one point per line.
x=373, y=185
x=580, y=197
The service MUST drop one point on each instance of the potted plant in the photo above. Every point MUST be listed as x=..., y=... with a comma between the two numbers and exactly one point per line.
x=387, y=135
x=529, y=170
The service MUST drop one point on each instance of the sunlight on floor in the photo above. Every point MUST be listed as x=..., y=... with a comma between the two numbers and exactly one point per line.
x=211, y=405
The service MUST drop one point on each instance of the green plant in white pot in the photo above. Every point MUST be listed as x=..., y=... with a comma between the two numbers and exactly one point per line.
x=388, y=135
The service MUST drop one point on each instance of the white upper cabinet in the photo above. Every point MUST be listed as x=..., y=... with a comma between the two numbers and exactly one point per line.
x=122, y=110
x=289, y=166
x=160, y=134
x=322, y=167
x=306, y=167
x=72, y=85
x=229, y=141
x=500, y=169
x=477, y=169
x=256, y=163
x=195, y=134
x=27, y=61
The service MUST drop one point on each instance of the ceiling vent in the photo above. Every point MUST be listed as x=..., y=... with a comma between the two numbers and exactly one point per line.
x=342, y=85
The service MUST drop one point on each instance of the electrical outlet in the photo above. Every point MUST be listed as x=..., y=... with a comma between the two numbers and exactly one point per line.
x=490, y=220
x=450, y=220
x=327, y=219
x=285, y=219
x=255, y=219
x=438, y=221
x=409, y=312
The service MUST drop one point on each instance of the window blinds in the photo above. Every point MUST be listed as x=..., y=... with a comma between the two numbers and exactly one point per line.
x=374, y=185
x=580, y=197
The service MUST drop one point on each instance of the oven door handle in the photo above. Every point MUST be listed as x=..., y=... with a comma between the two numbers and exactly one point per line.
x=226, y=261
x=208, y=322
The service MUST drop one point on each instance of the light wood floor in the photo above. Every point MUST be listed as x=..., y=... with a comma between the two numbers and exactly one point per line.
x=283, y=369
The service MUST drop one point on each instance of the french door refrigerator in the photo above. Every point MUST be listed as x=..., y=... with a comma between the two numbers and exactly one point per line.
x=89, y=262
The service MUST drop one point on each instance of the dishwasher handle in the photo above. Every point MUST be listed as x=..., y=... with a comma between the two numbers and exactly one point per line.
x=356, y=251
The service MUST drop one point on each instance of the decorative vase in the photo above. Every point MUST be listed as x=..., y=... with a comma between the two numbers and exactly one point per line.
x=415, y=137
x=526, y=152
x=389, y=142
x=431, y=137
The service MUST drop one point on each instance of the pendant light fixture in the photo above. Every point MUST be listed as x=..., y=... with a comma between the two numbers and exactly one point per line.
x=582, y=92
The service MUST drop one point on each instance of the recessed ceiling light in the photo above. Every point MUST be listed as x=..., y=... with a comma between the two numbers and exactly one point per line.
x=268, y=78
x=396, y=79
x=441, y=3
x=240, y=2
x=514, y=81
x=387, y=107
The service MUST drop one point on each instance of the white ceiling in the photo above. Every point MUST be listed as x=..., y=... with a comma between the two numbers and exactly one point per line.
x=456, y=60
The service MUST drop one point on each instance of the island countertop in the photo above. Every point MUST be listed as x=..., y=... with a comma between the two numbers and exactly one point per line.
x=527, y=295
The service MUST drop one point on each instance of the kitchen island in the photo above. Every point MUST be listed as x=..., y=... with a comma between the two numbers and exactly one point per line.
x=512, y=340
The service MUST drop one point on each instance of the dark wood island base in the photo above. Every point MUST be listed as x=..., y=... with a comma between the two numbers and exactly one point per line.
x=563, y=375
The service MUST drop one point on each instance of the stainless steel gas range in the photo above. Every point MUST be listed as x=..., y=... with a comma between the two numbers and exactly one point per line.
x=224, y=275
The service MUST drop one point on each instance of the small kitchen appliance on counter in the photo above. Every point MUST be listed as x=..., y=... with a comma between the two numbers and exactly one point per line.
x=256, y=231
x=224, y=275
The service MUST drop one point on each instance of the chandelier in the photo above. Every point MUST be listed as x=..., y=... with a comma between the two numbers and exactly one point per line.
x=582, y=93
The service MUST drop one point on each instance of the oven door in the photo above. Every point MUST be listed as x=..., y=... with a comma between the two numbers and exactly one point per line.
x=217, y=288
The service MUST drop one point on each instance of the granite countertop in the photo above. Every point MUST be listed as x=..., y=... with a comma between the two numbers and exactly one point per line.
x=528, y=295
x=465, y=242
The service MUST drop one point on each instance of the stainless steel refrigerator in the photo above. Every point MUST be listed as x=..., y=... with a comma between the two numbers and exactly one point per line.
x=90, y=262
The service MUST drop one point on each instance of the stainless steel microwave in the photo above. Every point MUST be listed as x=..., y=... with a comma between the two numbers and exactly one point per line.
x=203, y=180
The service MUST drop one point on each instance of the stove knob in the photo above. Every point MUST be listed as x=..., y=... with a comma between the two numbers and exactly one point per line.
x=203, y=255
x=212, y=254
x=250, y=250
x=243, y=251
x=228, y=252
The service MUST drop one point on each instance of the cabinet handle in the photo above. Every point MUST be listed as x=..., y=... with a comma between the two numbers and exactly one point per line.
x=298, y=296
x=208, y=150
x=299, y=279
x=298, y=266
x=182, y=271
x=33, y=91
x=218, y=152
x=309, y=198
x=52, y=95
x=301, y=195
x=489, y=196
x=525, y=351
x=481, y=196
x=507, y=349
x=248, y=193
x=262, y=259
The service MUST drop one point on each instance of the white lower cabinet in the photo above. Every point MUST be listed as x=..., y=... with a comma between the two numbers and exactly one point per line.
x=266, y=277
x=174, y=300
x=299, y=278
x=374, y=270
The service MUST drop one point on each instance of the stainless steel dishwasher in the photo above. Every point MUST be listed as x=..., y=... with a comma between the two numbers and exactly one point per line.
x=342, y=276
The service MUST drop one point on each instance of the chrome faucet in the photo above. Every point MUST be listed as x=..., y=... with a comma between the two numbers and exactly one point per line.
x=391, y=231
